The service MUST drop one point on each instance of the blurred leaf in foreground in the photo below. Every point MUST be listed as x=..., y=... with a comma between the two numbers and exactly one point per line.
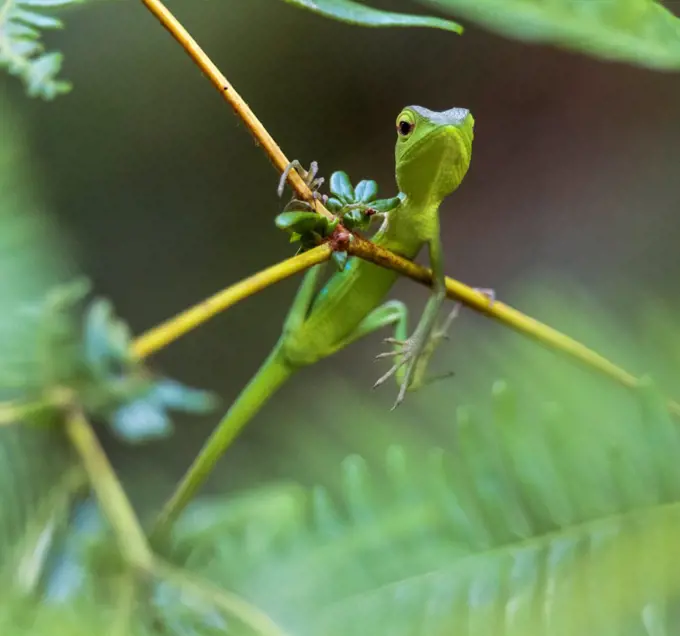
x=549, y=510
x=363, y=15
x=641, y=32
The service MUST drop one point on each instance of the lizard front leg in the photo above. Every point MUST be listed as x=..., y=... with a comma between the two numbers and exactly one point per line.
x=308, y=176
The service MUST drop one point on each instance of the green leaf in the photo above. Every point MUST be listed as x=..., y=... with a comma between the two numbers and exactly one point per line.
x=386, y=205
x=299, y=222
x=39, y=482
x=363, y=15
x=334, y=205
x=37, y=20
x=366, y=191
x=641, y=32
x=341, y=187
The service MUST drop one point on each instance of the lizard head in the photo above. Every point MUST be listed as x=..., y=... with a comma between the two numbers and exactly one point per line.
x=433, y=151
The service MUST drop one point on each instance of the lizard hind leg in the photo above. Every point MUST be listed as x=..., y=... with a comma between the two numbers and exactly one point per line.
x=395, y=313
x=401, y=343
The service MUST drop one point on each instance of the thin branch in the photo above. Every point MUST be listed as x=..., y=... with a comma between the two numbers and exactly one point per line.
x=134, y=545
x=110, y=494
x=229, y=93
x=175, y=327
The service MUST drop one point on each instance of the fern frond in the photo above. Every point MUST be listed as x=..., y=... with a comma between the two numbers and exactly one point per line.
x=22, y=53
x=39, y=482
x=550, y=521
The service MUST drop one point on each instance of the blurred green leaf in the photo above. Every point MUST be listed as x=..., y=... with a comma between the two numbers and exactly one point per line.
x=552, y=511
x=39, y=482
x=536, y=513
x=40, y=477
x=88, y=353
x=21, y=51
x=363, y=15
x=641, y=32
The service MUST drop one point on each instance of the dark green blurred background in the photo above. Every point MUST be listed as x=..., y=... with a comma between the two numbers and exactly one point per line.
x=167, y=199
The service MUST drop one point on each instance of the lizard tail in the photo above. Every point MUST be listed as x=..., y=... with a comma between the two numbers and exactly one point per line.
x=275, y=370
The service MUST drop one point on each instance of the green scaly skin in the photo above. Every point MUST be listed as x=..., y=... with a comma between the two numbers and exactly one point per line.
x=432, y=156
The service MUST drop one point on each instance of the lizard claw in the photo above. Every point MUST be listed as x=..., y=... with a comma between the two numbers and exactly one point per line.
x=400, y=396
x=409, y=350
x=395, y=341
x=386, y=354
x=390, y=373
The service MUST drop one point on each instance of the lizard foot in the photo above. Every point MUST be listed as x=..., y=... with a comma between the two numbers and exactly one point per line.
x=308, y=176
x=489, y=293
x=415, y=354
x=408, y=352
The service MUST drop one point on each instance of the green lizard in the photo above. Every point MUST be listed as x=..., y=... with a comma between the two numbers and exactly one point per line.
x=433, y=153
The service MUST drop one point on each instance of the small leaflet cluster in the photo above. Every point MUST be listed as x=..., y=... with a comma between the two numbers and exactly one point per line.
x=355, y=207
x=89, y=355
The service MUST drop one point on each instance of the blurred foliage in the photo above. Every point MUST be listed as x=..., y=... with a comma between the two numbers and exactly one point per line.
x=643, y=32
x=548, y=511
x=22, y=53
x=51, y=350
x=552, y=509
x=33, y=254
x=86, y=352
x=363, y=15
x=39, y=475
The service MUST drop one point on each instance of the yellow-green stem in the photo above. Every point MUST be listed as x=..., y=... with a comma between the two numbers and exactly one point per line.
x=110, y=494
x=173, y=328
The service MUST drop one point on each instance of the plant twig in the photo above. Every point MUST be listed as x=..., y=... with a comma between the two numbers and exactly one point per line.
x=131, y=538
x=173, y=328
x=229, y=93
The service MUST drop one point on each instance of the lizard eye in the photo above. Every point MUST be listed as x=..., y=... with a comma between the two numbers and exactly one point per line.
x=406, y=123
x=405, y=127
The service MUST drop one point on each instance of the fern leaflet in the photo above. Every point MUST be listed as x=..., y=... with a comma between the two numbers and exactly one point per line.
x=22, y=53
